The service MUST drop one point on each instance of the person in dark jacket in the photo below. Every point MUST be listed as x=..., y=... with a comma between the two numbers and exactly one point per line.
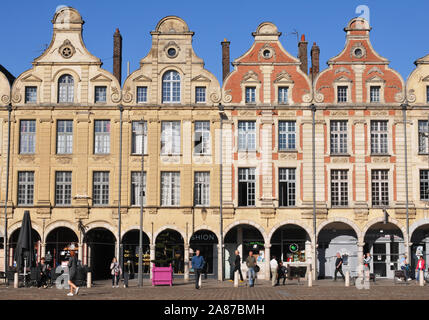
x=197, y=264
x=72, y=264
x=282, y=272
x=339, y=267
x=237, y=264
x=127, y=271
x=42, y=270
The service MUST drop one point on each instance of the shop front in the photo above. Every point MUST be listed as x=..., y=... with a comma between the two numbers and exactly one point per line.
x=130, y=244
x=58, y=243
x=289, y=242
x=13, y=240
x=100, y=250
x=206, y=241
x=420, y=245
x=169, y=249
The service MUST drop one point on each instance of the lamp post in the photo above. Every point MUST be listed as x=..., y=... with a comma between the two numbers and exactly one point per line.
x=313, y=111
x=121, y=109
x=221, y=114
x=404, y=111
x=9, y=108
x=140, y=269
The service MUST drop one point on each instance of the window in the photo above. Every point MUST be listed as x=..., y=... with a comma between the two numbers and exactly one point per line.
x=246, y=187
x=246, y=136
x=423, y=136
x=287, y=187
x=137, y=136
x=283, y=94
x=338, y=137
x=30, y=94
x=200, y=94
x=170, y=137
x=101, y=136
x=100, y=94
x=170, y=188
x=250, y=94
x=27, y=143
x=202, y=189
x=287, y=135
x=424, y=185
x=136, y=188
x=342, y=94
x=64, y=136
x=171, y=87
x=374, y=93
x=379, y=137
x=141, y=94
x=427, y=94
x=25, y=187
x=100, y=194
x=380, y=187
x=63, y=187
x=202, y=137
x=339, y=188
x=66, y=88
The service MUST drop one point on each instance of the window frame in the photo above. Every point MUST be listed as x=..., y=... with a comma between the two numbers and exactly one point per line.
x=171, y=87
x=27, y=89
x=135, y=146
x=379, y=186
x=204, y=133
x=63, y=189
x=423, y=131
x=380, y=137
x=197, y=94
x=286, y=135
x=68, y=86
x=346, y=89
x=250, y=94
x=250, y=186
x=371, y=95
x=339, y=188
x=248, y=134
x=95, y=94
x=338, y=137
x=26, y=187
x=202, y=188
x=288, y=179
x=65, y=134
x=29, y=137
x=98, y=197
x=135, y=184
x=170, y=193
x=169, y=138
x=102, y=138
x=138, y=88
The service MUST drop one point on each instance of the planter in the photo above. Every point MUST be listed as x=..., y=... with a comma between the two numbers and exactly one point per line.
x=162, y=275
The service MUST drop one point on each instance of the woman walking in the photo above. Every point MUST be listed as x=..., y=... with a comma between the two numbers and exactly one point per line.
x=72, y=264
x=116, y=272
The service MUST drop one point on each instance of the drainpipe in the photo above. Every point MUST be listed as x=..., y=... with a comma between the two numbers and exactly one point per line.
x=120, y=258
x=313, y=109
x=6, y=253
x=404, y=111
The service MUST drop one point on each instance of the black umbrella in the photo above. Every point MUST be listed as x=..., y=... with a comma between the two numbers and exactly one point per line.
x=25, y=245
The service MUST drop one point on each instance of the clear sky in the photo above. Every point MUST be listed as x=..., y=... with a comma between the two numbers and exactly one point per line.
x=400, y=29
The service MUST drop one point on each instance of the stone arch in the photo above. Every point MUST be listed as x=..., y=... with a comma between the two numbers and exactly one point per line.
x=204, y=227
x=102, y=224
x=417, y=225
x=136, y=227
x=295, y=222
x=172, y=227
x=58, y=224
x=346, y=221
x=17, y=225
x=248, y=222
x=381, y=219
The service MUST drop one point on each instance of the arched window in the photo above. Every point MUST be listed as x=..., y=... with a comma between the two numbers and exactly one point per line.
x=171, y=87
x=66, y=88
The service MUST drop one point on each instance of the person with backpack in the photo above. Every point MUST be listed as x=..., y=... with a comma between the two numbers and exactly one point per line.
x=116, y=271
x=251, y=265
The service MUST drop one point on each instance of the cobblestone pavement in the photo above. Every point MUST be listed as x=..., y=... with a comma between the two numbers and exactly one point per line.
x=214, y=290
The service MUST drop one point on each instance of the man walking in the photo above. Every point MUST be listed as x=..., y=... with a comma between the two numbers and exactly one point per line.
x=274, y=266
x=237, y=265
x=339, y=267
x=251, y=263
x=197, y=264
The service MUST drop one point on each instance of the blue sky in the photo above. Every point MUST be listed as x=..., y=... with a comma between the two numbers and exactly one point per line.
x=400, y=31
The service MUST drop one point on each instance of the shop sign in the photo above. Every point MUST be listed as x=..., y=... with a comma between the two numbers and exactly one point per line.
x=207, y=237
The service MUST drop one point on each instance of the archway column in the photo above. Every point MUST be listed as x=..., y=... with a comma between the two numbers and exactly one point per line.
x=43, y=249
x=361, y=244
x=186, y=262
x=152, y=258
x=80, y=252
x=267, y=261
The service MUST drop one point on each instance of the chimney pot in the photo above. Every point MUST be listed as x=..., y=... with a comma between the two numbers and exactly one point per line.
x=303, y=54
x=117, y=55
x=225, y=59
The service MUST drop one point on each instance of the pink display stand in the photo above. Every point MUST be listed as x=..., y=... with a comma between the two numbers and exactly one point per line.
x=162, y=276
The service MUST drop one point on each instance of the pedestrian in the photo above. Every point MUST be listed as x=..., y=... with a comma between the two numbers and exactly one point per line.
x=274, y=266
x=251, y=264
x=282, y=271
x=72, y=265
x=237, y=265
x=116, y=271
x=42, y=269
x=126, y=273
x=405, y=267
x=420, y=266
x=366, y=263
x=339, y=267
x=197, y=264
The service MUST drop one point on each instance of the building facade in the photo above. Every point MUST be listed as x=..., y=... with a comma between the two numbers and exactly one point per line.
x=249, y=151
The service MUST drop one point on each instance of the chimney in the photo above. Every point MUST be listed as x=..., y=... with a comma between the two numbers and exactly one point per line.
x=225, y=58
x=117, y=55
x=315, y=54
x=303, y=54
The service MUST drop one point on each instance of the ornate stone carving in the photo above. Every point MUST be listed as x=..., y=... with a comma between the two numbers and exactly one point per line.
x=340, y=160
x=250, y=75
x=411, y=96
x=306, y=98
x=27, y=158
x=265, y=47
x=67, y=50
x=342, y=69
x=339, y=113
x=64, y=159
x=116, y=95
x=170, y=159
x=379, y=113
x=215, y=96
x=319, y=97
x=16, y=96
x=380, y=159
x=287, y=113
x=104, y=159
x=288, y=156
x=43, y=213
x=358, y=51
x=375, y=69
x=128, y=96
x=5, y=99
x=246, y=113
x=168, y=52
x=227, y=97
x=153, y=210
x=81, y=213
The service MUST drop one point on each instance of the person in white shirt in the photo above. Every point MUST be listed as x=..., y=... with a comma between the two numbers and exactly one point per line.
x=273, y=266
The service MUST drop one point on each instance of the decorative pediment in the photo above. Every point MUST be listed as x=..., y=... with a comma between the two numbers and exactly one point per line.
x=376, y=79
x=375, y=69
x=342, y=69
x=343, y=79
x=31, y=78
x=283, y=77
x=142, y=78
x=201, y=78
x=100, y=78
x=251, y=76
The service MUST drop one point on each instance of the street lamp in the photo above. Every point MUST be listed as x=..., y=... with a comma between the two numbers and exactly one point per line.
x=222, y=115
x=140, y=270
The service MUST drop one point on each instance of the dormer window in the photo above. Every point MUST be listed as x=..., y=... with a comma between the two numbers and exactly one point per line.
x=171, y=87
x=100, y=94
x=283, y=95
x=200, y=94
x=66, y=89
x=30, y=94
x=374, y=92
x=141, y=94
x=250, y=94
x=342, y=94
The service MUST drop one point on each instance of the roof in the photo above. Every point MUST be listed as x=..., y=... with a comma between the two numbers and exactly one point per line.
x=8, y=75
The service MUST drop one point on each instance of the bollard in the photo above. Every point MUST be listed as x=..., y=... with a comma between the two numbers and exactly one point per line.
x=310, y=279
x=15, y=280
x=88, y=280
x=347, y=278
x=199, y=281
x=236, y=279
x=421, y=278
